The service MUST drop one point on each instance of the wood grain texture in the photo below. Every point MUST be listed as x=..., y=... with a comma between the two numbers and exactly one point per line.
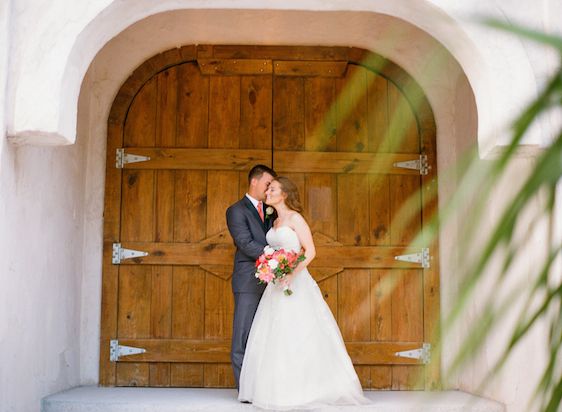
x=140, y=127
x=309, y=68
x=288, y=113
x=224, y=112
x=351, y=111
x=233, y=67
x=166, y=109
x=218, y=351
x=341, y=162
x=256, y=113
x=220, y=253
x=201, y=159
x=353, y=215
x=137, y=205
x=193, y=107
x=320, y=114
x=188, y=303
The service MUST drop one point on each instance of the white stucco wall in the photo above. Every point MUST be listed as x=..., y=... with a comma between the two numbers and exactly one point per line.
x=41, y=211
x=52, y=198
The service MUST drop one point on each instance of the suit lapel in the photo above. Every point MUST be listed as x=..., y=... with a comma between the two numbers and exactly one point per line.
x=254, y=211
x=268, y=223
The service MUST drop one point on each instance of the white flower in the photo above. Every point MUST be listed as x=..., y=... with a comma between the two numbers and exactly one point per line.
x=269, y=210
x=273, y=264
x=268, y=250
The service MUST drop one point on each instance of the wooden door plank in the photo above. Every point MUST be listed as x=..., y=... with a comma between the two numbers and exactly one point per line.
x=218, y=351
x=161, y=320
x=381, y=377
x=224, y=112
x=159, y=374
x=190, y=206
x=187, y=375
x=220, y=253
x=256, y=115
x=108, y=369
x=379, y=210
x=320, y=115
x=402, y=128
x=219, y=305
x=134, y=302
x=222, y=191
x=341, y=162
x=407, y=378
x=377, y=120
x=405, y=206
x=193, y=107
x=110, y=272
x=382, y=283
x=161, y=302
x=164, y=206
x=132, y=374
x=109, y=296
x=137, y=208
x=188, y=303
x=235, y=67
x=353, y=209
x=200, y=159
x=166, y=108
x=288, y=114
x=354, y=305
x=219, y=375
x=310, y=68
x=140, y=127
x=407, y=306
x=321, y=203
x=351, y=110
x=285, y=160
x=113, y=178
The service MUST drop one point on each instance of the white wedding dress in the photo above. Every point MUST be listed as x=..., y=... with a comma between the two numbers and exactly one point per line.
x=295, y=356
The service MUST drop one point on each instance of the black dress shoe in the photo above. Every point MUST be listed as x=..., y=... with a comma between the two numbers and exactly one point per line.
x=245, y=402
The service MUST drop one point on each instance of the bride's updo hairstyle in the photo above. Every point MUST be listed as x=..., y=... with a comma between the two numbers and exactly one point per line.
x=292, y=200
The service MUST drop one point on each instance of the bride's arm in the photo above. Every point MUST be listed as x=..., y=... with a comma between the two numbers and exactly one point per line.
x=302, y=230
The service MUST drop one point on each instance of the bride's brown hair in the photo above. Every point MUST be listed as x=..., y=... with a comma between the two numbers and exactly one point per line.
x=292, y=200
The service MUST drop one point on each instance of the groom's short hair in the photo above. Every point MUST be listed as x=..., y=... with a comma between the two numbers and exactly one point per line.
x=258, y=170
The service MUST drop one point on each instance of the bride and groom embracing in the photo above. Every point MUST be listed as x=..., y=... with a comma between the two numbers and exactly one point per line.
x=287, y=351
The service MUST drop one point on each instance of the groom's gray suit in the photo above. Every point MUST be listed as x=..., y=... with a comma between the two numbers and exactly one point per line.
x=248, y=232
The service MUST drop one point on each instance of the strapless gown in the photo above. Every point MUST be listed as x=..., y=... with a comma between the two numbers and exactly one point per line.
x=295, y=356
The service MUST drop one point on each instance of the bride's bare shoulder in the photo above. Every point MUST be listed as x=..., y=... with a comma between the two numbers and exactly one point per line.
x=295, y=218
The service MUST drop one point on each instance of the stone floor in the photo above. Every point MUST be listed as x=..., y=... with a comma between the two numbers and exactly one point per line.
x=96, y=399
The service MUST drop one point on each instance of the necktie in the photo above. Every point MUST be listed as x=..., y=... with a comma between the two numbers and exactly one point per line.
x=260, y=211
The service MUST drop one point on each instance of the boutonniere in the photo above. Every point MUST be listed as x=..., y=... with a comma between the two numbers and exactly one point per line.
x=269, y=211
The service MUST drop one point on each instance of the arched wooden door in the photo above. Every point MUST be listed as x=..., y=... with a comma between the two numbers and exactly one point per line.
x=184, y=131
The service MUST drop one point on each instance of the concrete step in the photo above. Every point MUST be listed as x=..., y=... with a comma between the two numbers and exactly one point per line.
x=96, y=399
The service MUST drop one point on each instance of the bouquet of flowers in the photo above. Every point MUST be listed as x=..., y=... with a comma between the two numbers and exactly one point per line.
x=275, y=264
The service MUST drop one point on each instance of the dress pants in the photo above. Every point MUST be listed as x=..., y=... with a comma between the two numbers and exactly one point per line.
x=245, y=306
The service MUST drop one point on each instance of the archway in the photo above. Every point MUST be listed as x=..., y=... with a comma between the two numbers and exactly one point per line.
x=452, y=103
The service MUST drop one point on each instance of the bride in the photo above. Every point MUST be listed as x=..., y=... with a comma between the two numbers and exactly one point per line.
x=295, y=356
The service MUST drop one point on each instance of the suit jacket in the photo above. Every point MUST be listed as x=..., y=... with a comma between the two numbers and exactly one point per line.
x=248, y=233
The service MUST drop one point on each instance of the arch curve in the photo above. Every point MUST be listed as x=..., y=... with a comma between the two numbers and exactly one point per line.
x=389, y=29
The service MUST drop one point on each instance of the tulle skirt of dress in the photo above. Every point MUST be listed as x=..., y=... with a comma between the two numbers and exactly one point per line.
x=295, y=357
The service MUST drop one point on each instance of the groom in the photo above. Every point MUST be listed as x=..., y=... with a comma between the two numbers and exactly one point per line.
x=248, y=222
